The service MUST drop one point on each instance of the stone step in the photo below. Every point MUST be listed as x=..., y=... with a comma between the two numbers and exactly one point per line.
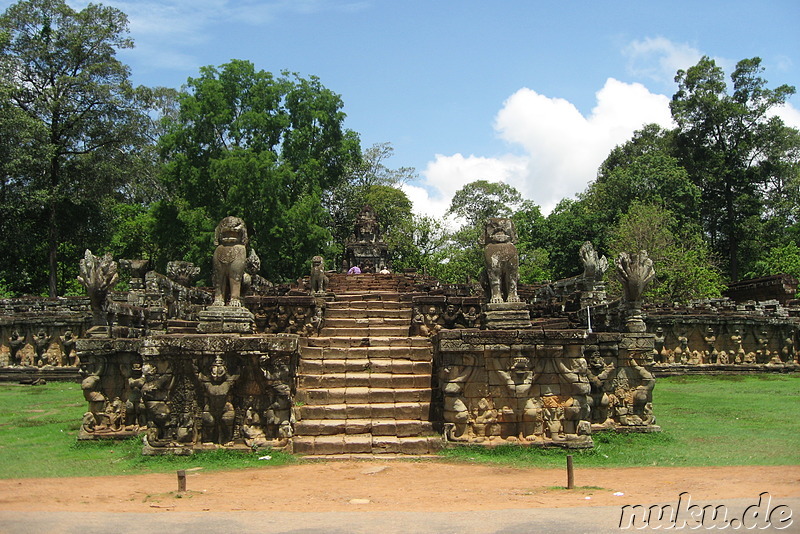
x=367, y=294
x=360, y=322
x=365, y=444
x=365, y=365
x=421, y=353
x=376, y=427
x=361, y=379
x=357, y=313
x=418, y=411
x=363, y=341
x=361, y=395
x=357, y=302
x=365, y=331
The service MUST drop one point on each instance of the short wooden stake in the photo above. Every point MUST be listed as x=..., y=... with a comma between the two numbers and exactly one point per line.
x=570, y=473
x=181, y=480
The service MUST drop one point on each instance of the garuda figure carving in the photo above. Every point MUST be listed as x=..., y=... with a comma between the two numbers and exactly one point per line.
x=502, y=259
x=230, y=261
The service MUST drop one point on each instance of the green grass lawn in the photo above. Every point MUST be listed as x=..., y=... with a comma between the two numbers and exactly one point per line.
x=38, y=438
x=742, y=420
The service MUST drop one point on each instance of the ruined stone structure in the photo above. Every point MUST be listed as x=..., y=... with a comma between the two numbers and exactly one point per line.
x=189, y=392
x=343, y=365
x=505, y=310
x=23, y=320
x=722, y=336
x=523, y=386
x=366, y=247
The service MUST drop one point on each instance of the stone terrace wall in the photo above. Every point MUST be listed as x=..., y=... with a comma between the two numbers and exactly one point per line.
x=32, y=316
x=723, y=335
x=514, y=386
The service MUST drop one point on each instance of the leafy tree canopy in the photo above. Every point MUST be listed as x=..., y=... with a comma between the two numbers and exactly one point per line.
x=733, y=148
x=684, y=267
x=80, y=128
x=481, y=199
x=261, y=147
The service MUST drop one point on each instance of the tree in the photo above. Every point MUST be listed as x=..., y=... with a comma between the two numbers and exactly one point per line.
x=783, y=259
x=683, y=264
x=534, y=259
x=83, y=119
x=417, y=243
x=644, y=170
x=729, y=144
x=481, y=199
x=365, y=179
x=569, y=225
x=262, y=147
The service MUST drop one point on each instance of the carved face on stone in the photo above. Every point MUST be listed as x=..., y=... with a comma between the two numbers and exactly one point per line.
x=520, y=362
x=499, y=230
x=501, y=259
x=231, y=231
x=148, y=369
x=218, y=370
x=520, y=365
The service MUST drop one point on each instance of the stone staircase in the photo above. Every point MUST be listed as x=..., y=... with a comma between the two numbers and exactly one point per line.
x=364, y=384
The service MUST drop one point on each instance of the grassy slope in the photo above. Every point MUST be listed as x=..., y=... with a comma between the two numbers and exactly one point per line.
x=752, y=420
x=38, y=430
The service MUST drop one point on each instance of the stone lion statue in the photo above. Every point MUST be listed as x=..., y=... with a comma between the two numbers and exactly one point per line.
x=502, y=259
x=319, y=280
x=230, y=261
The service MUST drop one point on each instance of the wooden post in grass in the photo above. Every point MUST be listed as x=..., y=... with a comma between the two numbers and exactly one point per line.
x=181, y=480
x=570, y=473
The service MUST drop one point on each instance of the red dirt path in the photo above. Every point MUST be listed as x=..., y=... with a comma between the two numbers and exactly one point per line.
x=393, y=485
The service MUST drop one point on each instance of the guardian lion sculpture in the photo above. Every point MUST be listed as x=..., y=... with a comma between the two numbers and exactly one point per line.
x=319, y=280
x=502, y=259
x=230, y=261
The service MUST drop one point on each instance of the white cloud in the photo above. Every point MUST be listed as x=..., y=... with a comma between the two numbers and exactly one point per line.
x=789, y=114
x=447, y=174
x=658, y=58
x=563, y=148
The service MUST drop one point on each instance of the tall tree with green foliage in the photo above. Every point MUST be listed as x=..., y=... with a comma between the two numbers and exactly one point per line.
x=84, y=122
x=532, y=238
x=370, y=181
x=730, y=145
x=481, y=199
x=684, y=267
x=645, y=170
x=262, y=147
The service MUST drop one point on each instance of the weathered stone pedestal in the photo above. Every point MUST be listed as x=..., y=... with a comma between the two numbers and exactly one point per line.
x=226, y=320
x=506, y=316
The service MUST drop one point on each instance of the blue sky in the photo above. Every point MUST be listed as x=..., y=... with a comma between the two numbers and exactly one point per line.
x=532, y=93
